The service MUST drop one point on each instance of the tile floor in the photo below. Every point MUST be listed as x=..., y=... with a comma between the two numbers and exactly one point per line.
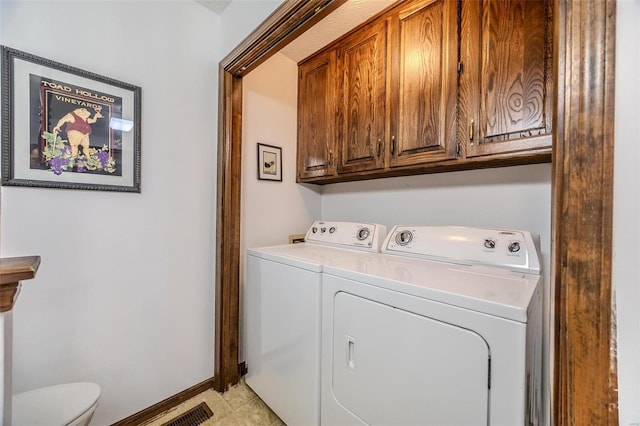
x=239, y=406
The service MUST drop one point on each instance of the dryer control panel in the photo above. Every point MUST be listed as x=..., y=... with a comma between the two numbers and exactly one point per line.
x=513, y=250
x=356, y=235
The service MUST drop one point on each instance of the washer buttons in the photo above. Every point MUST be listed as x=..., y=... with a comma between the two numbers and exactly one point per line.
x=404, y=237
x=514, y=246
x=363, y=234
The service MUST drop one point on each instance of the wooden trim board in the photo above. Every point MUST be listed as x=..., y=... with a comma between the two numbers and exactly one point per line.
x=585, y=388
x=166, y=404
x=289, y=20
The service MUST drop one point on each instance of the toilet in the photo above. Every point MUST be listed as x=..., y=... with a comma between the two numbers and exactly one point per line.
x=70, y=404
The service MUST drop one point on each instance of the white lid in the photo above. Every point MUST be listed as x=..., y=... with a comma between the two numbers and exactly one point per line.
x=494, y=291
x=311, y=257
x=54, y=405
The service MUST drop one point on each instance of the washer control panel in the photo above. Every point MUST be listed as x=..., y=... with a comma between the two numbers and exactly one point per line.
x=362, y=236
x=513, y=250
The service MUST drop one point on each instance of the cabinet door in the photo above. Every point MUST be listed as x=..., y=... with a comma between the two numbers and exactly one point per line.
x=423, y=78
x=506, y=77
x=361, y=110
x=316, y=116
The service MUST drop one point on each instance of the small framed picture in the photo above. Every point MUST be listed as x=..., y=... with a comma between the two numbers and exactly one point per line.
x=269, y=162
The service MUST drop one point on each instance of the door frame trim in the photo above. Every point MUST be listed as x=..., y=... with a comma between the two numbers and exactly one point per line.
x=585, y=364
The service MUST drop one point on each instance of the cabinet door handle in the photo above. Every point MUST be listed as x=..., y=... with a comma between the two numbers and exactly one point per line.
x=471, y=125
x=330, y=157
x=393, y=144
x=379, y=146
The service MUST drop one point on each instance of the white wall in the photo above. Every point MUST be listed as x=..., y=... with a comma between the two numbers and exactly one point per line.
x=240, y=18
x=271, y=211
x=626, y=210
x=124, y=296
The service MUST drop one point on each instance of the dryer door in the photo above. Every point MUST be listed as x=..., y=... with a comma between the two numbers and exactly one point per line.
x=393, y=367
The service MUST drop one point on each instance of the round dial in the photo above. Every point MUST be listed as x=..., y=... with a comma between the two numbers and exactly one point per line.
x=363, y=234
x=314, y=229
x=489, y=243
x=514, y=246
x=323, y=229
x=332, y=229
x=404, y=237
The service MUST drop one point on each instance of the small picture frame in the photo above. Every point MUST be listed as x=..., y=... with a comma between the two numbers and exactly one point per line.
x=66, y=128
x=269, y=162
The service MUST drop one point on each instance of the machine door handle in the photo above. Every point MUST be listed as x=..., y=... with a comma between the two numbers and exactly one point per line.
x=350, y=352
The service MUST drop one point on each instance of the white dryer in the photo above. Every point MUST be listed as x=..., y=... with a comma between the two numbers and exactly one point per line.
x=282, y=314
x=442, y=329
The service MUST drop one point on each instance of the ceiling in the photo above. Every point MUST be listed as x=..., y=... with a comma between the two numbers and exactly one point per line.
x=218, y=6
x=342, y=20
x=334, y=25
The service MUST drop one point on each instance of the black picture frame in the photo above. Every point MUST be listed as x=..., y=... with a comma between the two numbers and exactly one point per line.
x=269, y=162
x=64, y=127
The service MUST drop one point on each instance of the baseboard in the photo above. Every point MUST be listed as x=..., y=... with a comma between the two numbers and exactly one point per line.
x=167, y=404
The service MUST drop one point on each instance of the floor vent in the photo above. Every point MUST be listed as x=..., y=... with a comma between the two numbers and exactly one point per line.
x=194, y=417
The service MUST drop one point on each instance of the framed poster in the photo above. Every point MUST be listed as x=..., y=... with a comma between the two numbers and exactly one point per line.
x=63, y=127
x=269, y=162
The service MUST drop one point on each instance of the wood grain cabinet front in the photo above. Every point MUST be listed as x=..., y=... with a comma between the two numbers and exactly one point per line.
x=430, y=86
x=362, y=66
x=317, y=116
x=505, y=85
x=423, y=82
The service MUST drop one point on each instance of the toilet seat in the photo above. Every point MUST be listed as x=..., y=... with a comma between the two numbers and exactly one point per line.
x=60, y=405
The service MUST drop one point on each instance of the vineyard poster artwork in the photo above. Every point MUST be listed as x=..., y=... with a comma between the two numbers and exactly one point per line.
x=71, y=132
x=68, y=128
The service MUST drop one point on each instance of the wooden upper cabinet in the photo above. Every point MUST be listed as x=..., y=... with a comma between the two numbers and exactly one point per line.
x=361, y=98
x=316, y=116
x=430, y=86
x=423, y=82
x=505, y=85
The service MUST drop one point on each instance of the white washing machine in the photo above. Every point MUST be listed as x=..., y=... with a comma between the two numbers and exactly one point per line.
x=282, y=314
x=441, y=329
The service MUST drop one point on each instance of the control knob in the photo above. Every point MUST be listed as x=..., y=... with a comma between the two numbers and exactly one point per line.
x=363, y=234
x=489, y=243
x=323, y=229
x=404, y=237
x=514, y=247
x=314, y=229
x=332, y=229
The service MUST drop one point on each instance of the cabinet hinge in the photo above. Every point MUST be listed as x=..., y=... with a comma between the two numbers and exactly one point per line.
x=460, y=67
